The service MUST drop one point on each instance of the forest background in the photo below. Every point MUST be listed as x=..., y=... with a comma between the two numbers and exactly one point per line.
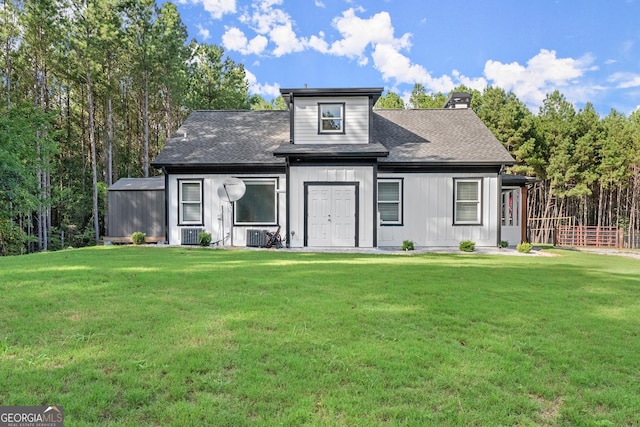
x=91, y=90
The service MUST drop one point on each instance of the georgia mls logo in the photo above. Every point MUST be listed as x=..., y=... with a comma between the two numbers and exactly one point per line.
x=31, y=416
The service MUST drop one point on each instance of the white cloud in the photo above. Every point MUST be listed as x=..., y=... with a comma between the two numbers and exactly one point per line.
x=624, y=80
x=286, y=40
x=359, y=33
x=269, y=21
x=264, y=17
x=318, y=43
x=203, y=32
x=235, y=40
x=320, y=3
x=265, y=90
x=217, y=8
x=394, y=65
x=542, y=74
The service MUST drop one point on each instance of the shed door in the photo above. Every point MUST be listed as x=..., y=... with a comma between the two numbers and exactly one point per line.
x=331, y=215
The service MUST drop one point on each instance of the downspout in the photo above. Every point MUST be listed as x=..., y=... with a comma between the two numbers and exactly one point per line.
x=499, y=208
x=291, y=117
x=375, y=205
x=288, y=171
x=166, y=205
x=375, y=178
x=287, y=213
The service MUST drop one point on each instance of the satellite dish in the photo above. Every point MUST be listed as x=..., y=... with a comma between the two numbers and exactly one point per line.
x=231, y=189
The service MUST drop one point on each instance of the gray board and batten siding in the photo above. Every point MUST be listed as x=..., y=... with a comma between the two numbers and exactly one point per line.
x=136, y=204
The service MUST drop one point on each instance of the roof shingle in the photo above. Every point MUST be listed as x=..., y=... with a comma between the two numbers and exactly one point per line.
x=412, y=137
x=227, y=138
x=455, y=136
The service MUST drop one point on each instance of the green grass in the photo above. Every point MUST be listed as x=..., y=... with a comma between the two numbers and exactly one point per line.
x=171, y=336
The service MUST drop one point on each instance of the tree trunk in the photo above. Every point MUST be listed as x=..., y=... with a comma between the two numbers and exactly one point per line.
x=94, y=161
x=600, y=207
x=146, y=125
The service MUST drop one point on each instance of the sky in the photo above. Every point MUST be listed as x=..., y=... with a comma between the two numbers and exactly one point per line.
x=587, y=49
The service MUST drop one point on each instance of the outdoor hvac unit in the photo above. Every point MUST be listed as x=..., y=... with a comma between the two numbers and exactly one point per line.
x=256, y=238
x=190, y=236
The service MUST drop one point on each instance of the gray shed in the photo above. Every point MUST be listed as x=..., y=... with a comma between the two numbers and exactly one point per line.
x=136, y=204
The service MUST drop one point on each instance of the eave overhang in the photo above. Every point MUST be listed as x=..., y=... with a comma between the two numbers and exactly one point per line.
x=324, y=151
x=289, y=94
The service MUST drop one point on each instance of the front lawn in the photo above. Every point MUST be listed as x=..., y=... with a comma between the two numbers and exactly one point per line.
x=173, y=336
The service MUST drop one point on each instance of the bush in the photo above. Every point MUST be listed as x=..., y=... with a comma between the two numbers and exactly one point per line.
x=407, y=245
x=504, y=244
x=12, y=238
x=204, y=238
x=467, y=246
x=138, y=237
x=524, y=247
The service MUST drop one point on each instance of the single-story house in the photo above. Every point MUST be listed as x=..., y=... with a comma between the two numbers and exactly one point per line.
x=332, y=171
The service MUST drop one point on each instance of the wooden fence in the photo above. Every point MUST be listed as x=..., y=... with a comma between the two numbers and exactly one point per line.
x=583, y=235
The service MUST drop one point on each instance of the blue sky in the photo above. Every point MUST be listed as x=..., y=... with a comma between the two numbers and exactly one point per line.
x=588, y=49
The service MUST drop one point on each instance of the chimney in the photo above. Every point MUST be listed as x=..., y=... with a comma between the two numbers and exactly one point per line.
x=458, y=100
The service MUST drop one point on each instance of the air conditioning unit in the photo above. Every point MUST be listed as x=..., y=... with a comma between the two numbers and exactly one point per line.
x=256, y=238
x=190, y=236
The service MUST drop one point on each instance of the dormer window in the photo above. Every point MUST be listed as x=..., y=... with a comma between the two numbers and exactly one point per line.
x=331, y=118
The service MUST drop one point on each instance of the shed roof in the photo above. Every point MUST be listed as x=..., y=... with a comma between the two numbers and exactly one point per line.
x=138, y=184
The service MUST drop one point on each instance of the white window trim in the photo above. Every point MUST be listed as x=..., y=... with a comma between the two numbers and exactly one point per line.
x=478, y=201
x=400, y=200
x=321, y=119
x=266, y=181
x=181, y=202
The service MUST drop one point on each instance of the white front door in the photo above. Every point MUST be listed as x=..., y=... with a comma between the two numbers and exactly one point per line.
x=331, y=215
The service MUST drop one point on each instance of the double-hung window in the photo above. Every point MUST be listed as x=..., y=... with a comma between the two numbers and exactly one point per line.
x=467, y=206
x=331, y=118
x=390, y=201
x=258, y=205
x=190, y=194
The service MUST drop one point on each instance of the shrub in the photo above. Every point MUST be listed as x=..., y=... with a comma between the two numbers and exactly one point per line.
x=467, y=246
x=407, y=245
x=138, y=237
x=504, y=244
x=524, y=247
x=204, y=238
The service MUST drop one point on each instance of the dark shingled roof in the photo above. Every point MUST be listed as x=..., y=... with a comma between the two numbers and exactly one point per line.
x=454, y=136
x=409, y=137
x=227, y=138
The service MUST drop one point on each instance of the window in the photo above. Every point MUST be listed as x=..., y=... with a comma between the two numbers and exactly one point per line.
x=258, y=205
x=331, y=118
x=390, y=201
x=511, y=207
x=190, y=202
x=467, y=201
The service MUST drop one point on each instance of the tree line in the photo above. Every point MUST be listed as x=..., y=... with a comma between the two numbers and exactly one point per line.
x=90, y=90
x=587, y=167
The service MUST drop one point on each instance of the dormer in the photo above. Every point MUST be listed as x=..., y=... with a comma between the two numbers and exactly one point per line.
x=331, y=116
